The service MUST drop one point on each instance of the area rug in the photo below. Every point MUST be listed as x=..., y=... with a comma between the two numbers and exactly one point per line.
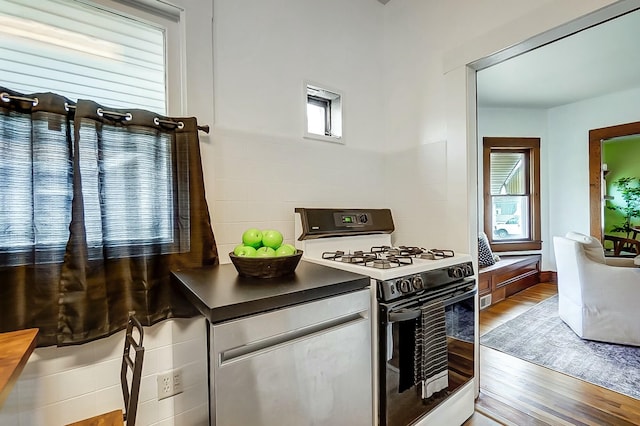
x=541, y=337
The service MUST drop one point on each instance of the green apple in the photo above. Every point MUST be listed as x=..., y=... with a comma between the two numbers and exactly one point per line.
x=285, y=250
x=292, y=247
x=252, y=237
x=244, y=251
x=265, y=252
x=271, y=238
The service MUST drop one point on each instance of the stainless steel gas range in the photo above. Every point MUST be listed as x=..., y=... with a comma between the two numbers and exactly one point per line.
x=424, y=313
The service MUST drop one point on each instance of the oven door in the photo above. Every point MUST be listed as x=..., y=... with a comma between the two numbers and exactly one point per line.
x=402, y=404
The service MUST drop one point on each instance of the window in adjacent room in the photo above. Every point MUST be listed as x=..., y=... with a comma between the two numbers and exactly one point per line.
x=512, y=193
x=323, y=113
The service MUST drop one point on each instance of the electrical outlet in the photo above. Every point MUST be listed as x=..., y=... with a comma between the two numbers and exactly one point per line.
x=169, y=384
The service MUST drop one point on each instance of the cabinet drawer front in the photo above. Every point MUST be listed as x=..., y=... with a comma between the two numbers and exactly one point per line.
x=484, y=283
x=254, y=328
x=322, y=380
x=507, y=277
x=316, y=374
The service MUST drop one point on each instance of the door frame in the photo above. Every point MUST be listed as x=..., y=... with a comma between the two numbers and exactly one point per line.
x=596, y=137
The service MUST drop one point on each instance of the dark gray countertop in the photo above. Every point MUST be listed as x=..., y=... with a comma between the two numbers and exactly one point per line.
x=220, y=294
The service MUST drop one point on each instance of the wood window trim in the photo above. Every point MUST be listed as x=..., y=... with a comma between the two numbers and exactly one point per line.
x=596, y=137
x=532, y=145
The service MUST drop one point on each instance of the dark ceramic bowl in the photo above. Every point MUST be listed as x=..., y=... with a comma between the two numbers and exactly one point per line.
x=266, y=267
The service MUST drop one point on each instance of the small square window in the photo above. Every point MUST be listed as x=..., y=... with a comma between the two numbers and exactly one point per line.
x=323, y=114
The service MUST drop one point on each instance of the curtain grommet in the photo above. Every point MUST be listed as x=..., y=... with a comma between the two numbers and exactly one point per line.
x=179, y=124
x=5, y=97
x=126, y=116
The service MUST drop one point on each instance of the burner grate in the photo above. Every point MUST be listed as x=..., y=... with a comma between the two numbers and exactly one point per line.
x=332, y=255
x=386, y=257
x=357, y=257
x=434, y=254
x=392, y=261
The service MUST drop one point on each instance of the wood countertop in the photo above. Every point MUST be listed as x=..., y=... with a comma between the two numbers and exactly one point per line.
x=15, y=349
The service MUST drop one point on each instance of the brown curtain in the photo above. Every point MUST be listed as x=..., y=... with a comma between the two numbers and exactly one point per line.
x=116, y=201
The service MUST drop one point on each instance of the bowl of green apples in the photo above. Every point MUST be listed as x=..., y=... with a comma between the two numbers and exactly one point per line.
x=263, y=254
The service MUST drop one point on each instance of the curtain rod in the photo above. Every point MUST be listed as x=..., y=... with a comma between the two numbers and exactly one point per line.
x=5, y=97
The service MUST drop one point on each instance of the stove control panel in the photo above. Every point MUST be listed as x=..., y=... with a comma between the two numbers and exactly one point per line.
x=324, y=223
x=399, y=288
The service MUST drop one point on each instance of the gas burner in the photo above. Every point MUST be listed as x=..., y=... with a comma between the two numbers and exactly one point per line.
x=392, y=261
x=397, y=251
x=410, y=251
x=333, y=255
x=434, y=254
x=381, y=249
x=358, y=257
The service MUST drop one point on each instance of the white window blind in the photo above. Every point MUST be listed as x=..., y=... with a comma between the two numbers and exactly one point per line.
x=82, y=51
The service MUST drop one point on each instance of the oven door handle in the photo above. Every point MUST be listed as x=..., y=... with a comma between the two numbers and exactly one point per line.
x=460, y=297
x=404, y=315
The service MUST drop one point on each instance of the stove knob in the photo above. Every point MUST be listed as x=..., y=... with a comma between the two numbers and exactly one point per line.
x=456, y=272
x=405, y=286
x=417, y=283
x=468, y=270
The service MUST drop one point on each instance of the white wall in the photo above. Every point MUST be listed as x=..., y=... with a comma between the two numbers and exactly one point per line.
x=259, y=167
x=264, y=50
x=568, y=157
x=430, y=96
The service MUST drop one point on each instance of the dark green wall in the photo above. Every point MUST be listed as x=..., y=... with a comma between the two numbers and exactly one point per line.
x=623, y=159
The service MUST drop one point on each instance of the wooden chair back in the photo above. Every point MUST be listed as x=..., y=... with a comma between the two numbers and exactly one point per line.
x=130, y=376
x=131, y=389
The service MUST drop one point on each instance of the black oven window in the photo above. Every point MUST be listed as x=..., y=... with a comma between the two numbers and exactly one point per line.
x=402, y=403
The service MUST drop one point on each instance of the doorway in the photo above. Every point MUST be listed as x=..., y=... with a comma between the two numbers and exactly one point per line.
x=597, y=176
x=565, y=169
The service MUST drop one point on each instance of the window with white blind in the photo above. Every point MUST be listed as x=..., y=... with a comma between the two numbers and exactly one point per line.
x=105, y=51
x=512, y=193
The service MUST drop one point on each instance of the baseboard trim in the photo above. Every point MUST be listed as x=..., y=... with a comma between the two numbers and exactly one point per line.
x=549, y=277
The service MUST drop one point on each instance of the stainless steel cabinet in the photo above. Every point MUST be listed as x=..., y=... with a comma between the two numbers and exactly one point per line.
x=309, y=364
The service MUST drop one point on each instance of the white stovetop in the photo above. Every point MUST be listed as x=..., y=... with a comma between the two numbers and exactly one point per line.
x=314, y=248
x=419, y=265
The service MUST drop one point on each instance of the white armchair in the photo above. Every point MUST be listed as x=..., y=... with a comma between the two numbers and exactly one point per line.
x=598, y=297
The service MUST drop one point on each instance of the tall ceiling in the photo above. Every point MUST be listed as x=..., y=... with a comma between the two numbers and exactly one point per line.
x=594, y=62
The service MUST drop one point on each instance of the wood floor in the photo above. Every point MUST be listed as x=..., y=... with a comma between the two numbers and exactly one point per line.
x=516, y=392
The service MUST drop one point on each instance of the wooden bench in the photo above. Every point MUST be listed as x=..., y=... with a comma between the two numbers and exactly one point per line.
x=508, y=276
